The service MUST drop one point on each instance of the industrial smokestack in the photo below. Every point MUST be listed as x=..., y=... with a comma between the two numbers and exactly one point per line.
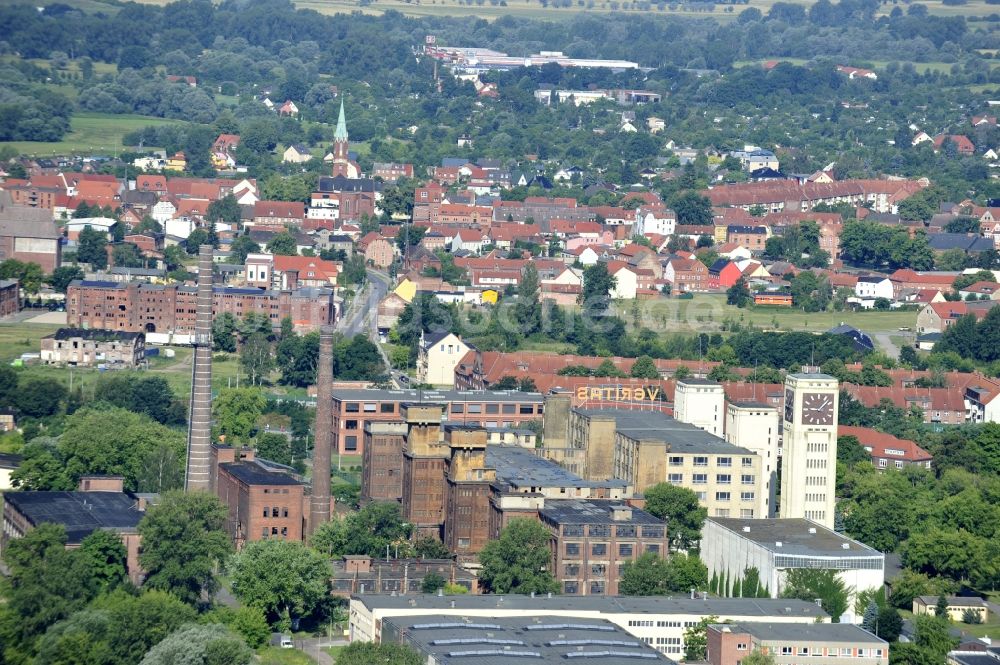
x=198, y=476
x=319, y=508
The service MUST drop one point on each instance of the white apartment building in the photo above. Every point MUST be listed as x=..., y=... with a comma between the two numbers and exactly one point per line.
x=701, y=402
x=754, y=425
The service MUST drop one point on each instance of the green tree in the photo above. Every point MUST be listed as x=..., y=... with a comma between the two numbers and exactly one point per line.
x=61, y=277
x=29, y=275
x=239, y=249
x=283, y=244
x=105, y=553
x=758, y=657
x=738, y=294
x=38, y=396
x=126, y=255
x=211, y=644
x=237, y=411
x=644, y=368
x=274, y=447
x=680, y=508
x=45, y=584
x=224, y=332
x=256, y=358
x=431, y=583
x=931, y=633
x=91, y=246
x=809, y=584
x=696, y=639
x=889, y=624
x=430, y=547
x=286, y=579
x=201, y=236
x=692, y=208
x=850, y=451
x=529, y=307
x=597, y=287
x=366, y=653
x=183, y=541
x=226, y=210
x=519, y=561
x=251, y=624
x=646, y=576
x=367, y=532
x=941, y=608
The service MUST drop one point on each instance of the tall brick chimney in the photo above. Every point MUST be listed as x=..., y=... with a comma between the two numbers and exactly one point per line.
x=319, y=509
x=199, y=444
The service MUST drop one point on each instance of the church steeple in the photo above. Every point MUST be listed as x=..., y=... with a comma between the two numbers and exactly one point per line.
x=341, y=133
x=341, y=148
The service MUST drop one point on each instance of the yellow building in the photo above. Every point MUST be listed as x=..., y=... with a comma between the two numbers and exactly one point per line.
x=407, y=290
x=490, y=296
x=177, y=162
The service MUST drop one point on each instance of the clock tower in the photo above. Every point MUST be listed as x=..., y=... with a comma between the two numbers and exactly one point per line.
x=809, y=449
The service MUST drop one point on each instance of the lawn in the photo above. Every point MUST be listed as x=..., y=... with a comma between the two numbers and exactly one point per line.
x=334, y=651
x=279, y=656
x=19, y=338
x=707, y=312
x=91, y=133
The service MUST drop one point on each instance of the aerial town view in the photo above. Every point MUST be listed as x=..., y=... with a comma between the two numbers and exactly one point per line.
x=495, y=332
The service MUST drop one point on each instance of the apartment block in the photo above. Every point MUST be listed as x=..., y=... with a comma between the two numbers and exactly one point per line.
x=834, y=643
x=702, y=403
x=755, y=426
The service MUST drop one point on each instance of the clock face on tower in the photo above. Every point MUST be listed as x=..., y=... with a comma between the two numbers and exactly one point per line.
x=817, y=409
x=789, y=404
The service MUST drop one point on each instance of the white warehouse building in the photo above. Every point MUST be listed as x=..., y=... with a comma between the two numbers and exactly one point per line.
x=730, y=546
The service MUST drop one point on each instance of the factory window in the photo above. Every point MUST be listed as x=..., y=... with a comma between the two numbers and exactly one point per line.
x=597, y=587
x=625, y=550
x=370, y=408
x=571, y=588
x=572, y=549
x=492, y=408
x=350, y=424
x=352, y=407
x=598, y=570
x=387, y=407
x=458, y=408
x=274, y=511
x=509, y=408
x=284, y=511
x=599, y=549
x=475, y=408
x=263, y=532
x=265, y=511
x=284, y=531
x=350, y=443
x=274, y=531
x=526, y=409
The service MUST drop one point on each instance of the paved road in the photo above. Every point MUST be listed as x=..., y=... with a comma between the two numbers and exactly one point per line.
x=360, y=316
x=887, y=345
x=314, y=646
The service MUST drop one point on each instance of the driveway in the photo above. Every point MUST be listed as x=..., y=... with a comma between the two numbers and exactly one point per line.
x=313, y=647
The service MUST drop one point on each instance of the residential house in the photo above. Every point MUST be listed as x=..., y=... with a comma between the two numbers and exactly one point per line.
x=938, y=316
x=752, y=237
x=467, y=240
x=686, y=275
x=391, y=171
x=981, y=291
x=872, y=287
x=278, y=214
x=886, y=450
x=378, y=251
x=962, y=143
x=438, y=355
x=724, y=273
x=289, y=109
x=654, y=219
x=296, y=154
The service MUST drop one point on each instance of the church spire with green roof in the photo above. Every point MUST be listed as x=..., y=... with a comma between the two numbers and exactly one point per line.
x=341, y=133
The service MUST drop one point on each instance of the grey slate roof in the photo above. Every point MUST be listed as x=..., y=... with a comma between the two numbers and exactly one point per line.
x=723, y=607
x=833, y=633
x=81, y=513
x=451, y=640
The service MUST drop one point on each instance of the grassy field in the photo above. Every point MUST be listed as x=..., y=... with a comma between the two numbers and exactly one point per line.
x=921, y=67
x=707, y=312
x=91, y=133
x=16, y=339
x=334, y=651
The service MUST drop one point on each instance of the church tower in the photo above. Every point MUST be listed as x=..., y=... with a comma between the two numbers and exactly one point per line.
x=341, y=148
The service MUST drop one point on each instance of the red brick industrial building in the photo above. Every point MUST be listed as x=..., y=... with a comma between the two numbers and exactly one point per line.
x=152, y=308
